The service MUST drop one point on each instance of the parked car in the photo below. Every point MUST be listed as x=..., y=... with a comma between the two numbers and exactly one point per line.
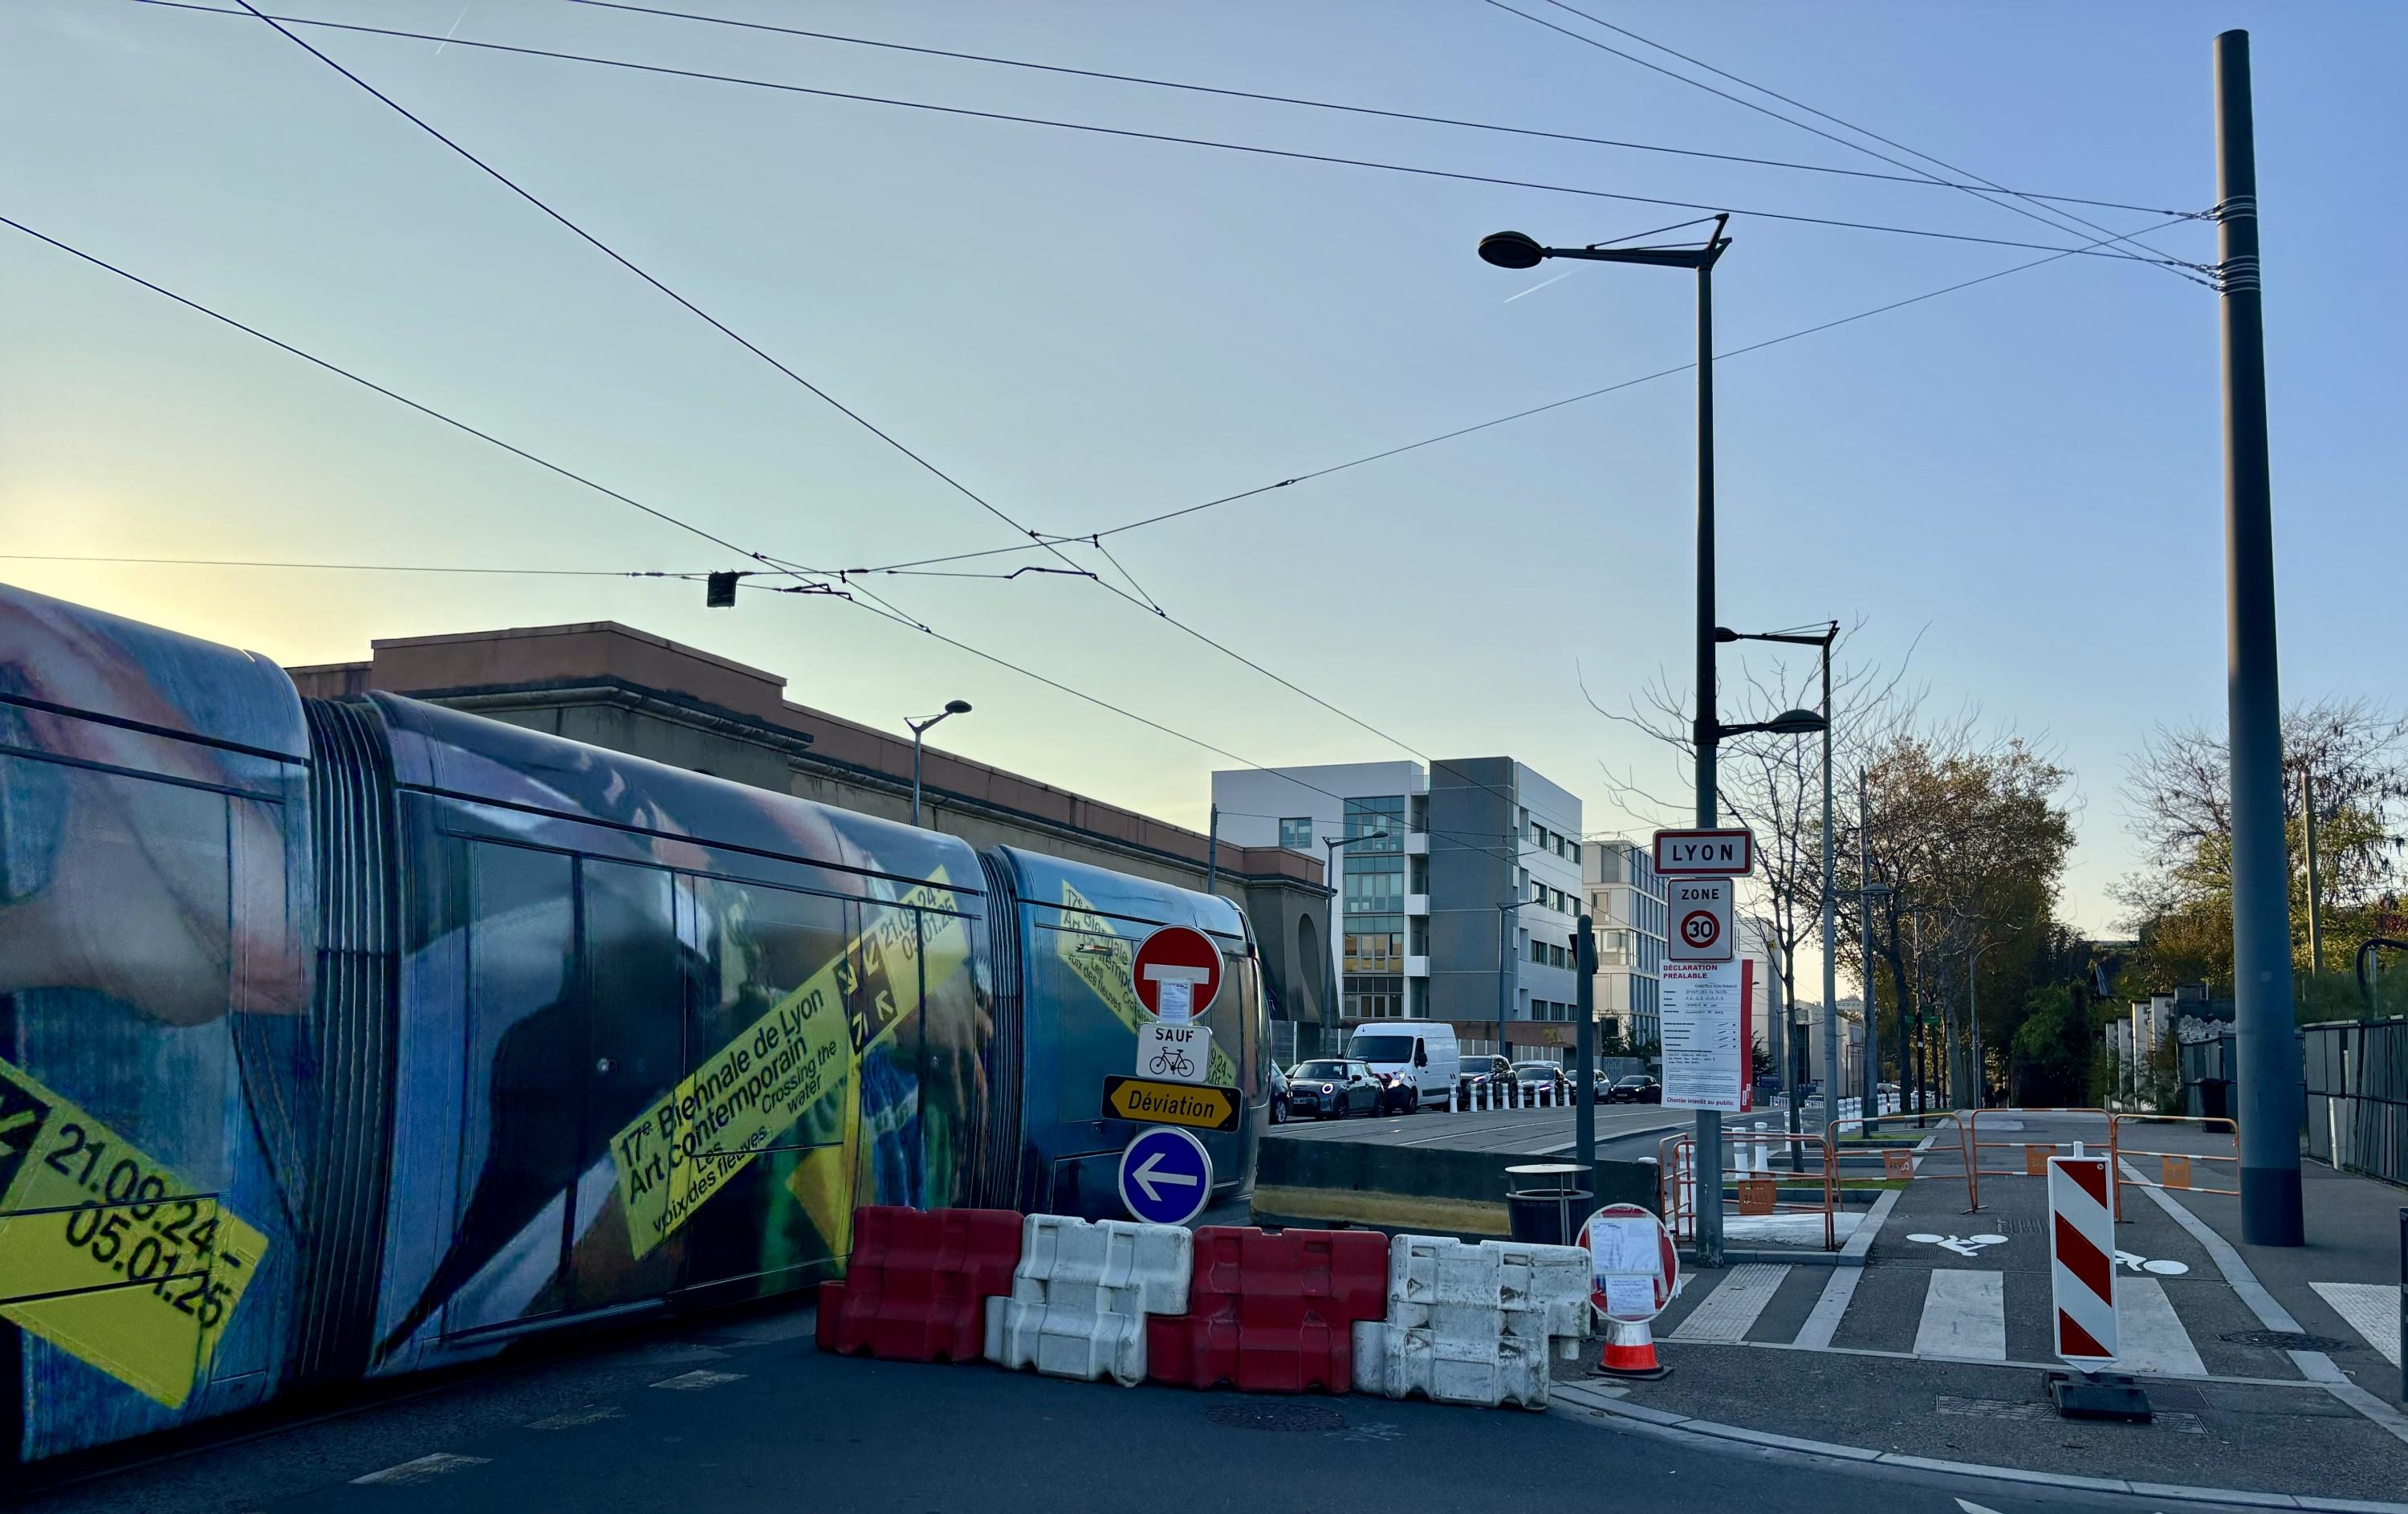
x=1534, y=1077
x=1424, y=1059
x=1637, y=1088
x=1332, y=1088
x=1279, y=1095
x=1481, y=1070
x=1397, y=1094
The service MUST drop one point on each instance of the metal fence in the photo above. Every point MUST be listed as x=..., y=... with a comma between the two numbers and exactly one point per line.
x=2357, y=1075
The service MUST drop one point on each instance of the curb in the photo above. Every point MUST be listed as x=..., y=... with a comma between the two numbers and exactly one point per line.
x=1683, y=1427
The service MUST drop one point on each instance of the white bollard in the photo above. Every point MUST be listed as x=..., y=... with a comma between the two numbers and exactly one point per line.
x=1450, y=1098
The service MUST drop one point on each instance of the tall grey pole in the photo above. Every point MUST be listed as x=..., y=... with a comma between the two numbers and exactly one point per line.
x=1783, y=1033
x=1709, y=1153
x=2269, y=1093
x=1504, y=930
x=1585, y=1005
x=1830, y=1080
x=1213, y=854
x=915, y=774
x=1871, y=1089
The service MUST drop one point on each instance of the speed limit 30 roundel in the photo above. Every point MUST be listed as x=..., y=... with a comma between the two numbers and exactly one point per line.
x=1701, y=929
x=1176, y=973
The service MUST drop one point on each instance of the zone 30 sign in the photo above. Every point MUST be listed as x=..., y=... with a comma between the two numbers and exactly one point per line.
x=1699, y=915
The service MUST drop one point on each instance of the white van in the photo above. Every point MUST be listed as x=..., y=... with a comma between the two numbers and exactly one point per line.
x=1423, y=1053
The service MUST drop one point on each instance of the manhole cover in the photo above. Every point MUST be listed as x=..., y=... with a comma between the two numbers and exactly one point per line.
x=1275, y=1417
x=2285, y=1340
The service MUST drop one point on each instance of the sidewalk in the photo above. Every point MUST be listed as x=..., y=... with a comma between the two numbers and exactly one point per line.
x=2343, y=1285
x=1937, y=1346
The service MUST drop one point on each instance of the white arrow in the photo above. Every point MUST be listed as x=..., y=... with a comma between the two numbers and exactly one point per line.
x=1145, y=1177
x=1971, y=1507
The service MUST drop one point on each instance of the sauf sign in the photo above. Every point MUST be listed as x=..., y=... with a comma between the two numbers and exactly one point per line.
x=1705, y=854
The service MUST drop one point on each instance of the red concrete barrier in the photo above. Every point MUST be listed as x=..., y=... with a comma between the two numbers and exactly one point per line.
x=1272, y=1313
x=917, y=1287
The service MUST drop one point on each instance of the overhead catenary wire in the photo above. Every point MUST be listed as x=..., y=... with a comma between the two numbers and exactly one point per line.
x=352, y=567
x=1497, y=421
x=2095, y=249
x=1982, y=192
x=1035, y=537
x=1918, y=180
x=883, y=607
x=428, y=410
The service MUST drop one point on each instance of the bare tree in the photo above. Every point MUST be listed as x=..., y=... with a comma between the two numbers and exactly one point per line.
x=1772, y=785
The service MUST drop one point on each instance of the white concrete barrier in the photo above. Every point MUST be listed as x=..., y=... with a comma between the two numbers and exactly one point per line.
x=1472, y=1323
x=1080, y=1294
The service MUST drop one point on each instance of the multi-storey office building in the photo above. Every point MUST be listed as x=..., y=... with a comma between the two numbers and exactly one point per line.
x=1457, y=886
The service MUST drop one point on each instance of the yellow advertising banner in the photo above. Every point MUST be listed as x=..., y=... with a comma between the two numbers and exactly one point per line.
x=1108, y=972
x=687, y=1145
x=109, y=1254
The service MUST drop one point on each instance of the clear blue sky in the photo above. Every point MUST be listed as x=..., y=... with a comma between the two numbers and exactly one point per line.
x=2025, y=476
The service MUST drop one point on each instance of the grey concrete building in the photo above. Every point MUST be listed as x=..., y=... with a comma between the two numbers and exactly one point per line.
x=1459, y=884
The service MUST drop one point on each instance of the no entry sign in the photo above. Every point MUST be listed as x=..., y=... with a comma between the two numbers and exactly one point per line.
x=1176, y=973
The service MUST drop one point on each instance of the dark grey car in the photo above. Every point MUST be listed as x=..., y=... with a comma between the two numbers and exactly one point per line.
x=1332, y=1088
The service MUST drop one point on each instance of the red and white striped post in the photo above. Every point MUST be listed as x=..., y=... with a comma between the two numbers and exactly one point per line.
x=2082, y=1258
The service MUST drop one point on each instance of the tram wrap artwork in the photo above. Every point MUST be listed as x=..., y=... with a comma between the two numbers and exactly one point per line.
x=346, y=1039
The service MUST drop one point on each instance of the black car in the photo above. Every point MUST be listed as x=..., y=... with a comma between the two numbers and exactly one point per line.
x=1534, y=1077
x=1637, y=1088
x=1330, y=1088
x=1476, y=1071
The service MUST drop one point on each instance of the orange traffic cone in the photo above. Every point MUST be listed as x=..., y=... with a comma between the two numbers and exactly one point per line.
x=1629, y=1351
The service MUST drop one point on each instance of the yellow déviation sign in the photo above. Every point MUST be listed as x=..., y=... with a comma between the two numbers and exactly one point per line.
x=688, y=1143
x=1108, y=973
x=1149, y=1102
x=106, y=1253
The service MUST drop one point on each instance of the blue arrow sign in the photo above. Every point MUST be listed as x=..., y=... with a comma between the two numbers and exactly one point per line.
x=1165, y=1176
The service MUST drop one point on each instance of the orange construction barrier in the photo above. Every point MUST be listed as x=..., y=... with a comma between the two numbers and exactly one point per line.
x=2175, y=1168
x=2035, y=1154
x=1750, y=1167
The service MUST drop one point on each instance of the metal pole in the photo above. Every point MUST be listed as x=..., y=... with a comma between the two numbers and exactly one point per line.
x=2308, y=822
x=1584, y=1004
x=1830, y=1082
x=915, y=774
x=1710, y=1123
x=2270, y=1097
x=1504, y=930
x=1922, y=1035
x=1213, y=854
x=1871, y=1089
x=1786, y=1034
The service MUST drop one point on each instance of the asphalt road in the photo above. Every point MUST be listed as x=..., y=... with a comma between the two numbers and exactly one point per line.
x=734, y=1416
x=1625, y=1131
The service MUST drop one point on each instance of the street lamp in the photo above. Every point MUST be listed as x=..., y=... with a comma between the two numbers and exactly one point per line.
x=919, y=728
x=1513, y=249
x=1830, y=921
x=1330, y=870
x=1867, y=891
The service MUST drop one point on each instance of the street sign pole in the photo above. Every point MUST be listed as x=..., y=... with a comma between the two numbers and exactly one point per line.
x=1585, y=1005
x=1709, y=732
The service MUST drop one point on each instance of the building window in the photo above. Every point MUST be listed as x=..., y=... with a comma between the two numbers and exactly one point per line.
x=1375, y=998
x=1384, y=816
x=1538, y=953
x=1378, y=950
x=1375, y=885
x=1554, y=957
x=1296, y=833
x=1537, y=835
x=1575, y=854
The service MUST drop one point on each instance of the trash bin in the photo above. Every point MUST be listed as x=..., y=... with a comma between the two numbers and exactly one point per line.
x=2216, y=1098
x=1545, y=1203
